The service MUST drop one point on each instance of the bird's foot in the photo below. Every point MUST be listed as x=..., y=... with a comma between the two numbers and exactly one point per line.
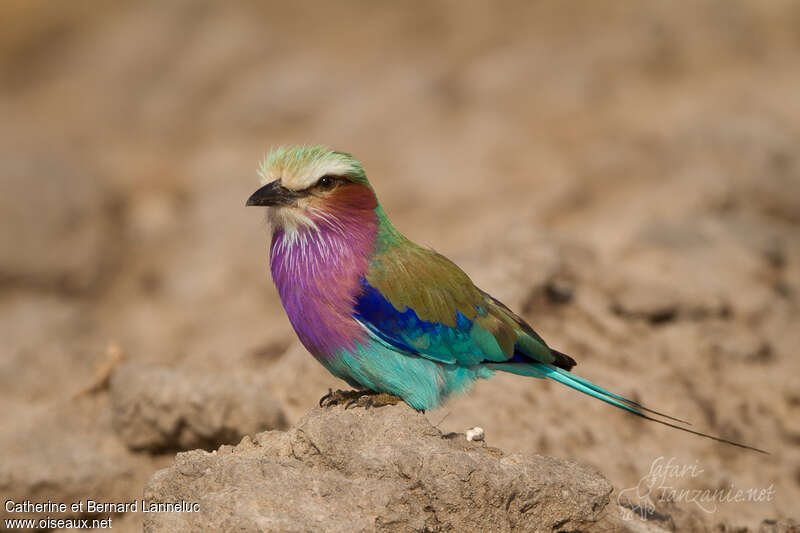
x=341, y=397
x=373, y=399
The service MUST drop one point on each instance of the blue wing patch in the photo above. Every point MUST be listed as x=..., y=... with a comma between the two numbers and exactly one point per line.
x=403, y=330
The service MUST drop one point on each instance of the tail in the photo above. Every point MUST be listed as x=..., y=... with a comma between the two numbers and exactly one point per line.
x=542, y=370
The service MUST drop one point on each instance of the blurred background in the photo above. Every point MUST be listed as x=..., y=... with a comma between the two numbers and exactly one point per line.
x=624, y=174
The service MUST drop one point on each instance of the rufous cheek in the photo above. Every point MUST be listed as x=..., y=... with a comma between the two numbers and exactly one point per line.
x=353, y=196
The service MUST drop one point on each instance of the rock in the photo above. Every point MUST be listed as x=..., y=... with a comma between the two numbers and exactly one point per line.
x=156, y=408
x=385, y=469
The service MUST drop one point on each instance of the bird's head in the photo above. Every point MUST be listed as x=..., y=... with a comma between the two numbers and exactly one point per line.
x=304, y=185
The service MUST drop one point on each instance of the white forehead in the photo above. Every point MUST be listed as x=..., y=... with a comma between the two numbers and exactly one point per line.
x=299, y=177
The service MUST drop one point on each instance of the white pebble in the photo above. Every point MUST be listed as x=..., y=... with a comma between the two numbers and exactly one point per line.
x=475, y=434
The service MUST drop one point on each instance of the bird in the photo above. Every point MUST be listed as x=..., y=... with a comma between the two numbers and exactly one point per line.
x=395, y=320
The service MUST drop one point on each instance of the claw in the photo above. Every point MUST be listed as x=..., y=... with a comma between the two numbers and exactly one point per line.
x=358, y=398
x=374, y=399
x=325, y=397
x=354, y=401
x=339, y=397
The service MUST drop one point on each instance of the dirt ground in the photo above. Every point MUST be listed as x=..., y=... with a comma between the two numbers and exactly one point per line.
x=624, y=174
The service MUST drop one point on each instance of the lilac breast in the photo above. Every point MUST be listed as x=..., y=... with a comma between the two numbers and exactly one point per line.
x=317, y=273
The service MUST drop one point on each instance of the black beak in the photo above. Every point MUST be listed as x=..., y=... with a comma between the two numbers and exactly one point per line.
x=273, y=194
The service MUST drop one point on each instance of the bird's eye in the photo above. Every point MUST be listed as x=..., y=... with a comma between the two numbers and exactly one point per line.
x=326, y=182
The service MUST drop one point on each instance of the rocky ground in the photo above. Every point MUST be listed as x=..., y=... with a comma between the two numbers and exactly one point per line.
x=625, y=176
x=380, y=469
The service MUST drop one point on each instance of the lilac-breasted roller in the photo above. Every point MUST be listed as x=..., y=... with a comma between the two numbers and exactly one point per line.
x=393, y=319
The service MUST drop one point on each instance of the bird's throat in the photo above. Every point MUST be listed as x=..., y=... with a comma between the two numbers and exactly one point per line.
x=317, y=269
